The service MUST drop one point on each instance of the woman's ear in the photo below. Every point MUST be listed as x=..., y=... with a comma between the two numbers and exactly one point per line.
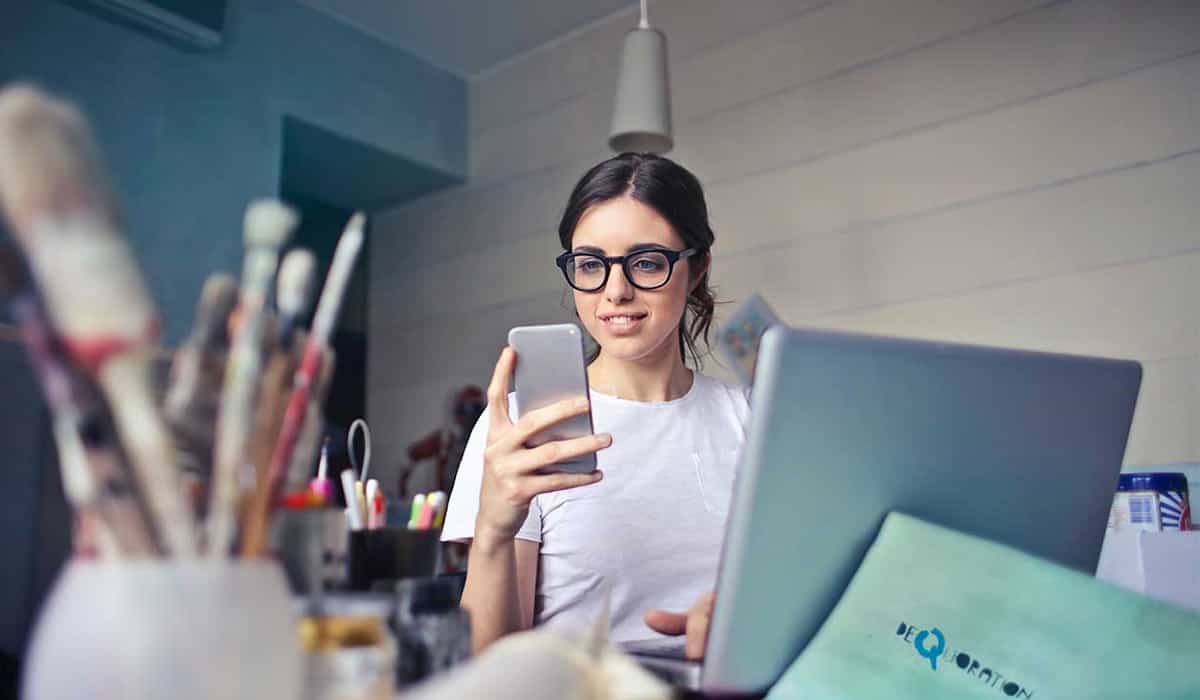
x=697, y=269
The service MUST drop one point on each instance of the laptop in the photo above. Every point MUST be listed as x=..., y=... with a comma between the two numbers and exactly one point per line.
x=1022, y=448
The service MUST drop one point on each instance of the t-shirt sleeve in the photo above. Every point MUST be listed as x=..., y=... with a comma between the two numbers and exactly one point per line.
x=459, y=524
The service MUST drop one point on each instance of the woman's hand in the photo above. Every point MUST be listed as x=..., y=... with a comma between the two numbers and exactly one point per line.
x=510, y=469
x=693, y=623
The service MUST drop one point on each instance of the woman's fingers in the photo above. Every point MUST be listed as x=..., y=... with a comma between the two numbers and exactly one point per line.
x=531, y=460
x=533, y=422
x=693, y=623
x=497, y=393
x=562, y=480
x=666, y=622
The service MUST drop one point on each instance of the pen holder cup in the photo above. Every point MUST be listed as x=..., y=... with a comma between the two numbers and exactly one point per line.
x=311, y=545
x=391, y=553
x=154, y=629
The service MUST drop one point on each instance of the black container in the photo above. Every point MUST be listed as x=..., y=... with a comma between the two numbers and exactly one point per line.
x=390, y=554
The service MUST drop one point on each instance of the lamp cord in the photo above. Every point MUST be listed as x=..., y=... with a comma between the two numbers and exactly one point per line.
x=644, y=23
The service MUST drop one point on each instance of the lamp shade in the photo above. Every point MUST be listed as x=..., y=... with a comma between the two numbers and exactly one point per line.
x=642, y=110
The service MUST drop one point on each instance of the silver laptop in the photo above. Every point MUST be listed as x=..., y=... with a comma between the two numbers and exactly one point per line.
x=1019, y=447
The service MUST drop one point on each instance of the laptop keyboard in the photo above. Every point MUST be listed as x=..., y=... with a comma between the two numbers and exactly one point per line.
x=667, y=647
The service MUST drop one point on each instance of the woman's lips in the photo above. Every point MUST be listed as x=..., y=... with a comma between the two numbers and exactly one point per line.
x=622, y=324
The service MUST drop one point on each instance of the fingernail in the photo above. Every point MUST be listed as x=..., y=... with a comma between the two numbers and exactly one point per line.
x=581, y=403
x=604, y=439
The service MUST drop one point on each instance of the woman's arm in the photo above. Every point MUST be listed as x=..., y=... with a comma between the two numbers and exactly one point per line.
x=502, y=570
x=501, y=579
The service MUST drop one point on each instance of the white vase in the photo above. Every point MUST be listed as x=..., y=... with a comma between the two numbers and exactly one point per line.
x=165, y=629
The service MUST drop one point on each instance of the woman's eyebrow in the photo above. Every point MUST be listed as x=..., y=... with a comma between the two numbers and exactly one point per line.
x=639, y=247
x=635, y=248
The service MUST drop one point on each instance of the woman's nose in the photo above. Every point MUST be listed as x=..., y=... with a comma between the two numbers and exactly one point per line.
x=618, y=287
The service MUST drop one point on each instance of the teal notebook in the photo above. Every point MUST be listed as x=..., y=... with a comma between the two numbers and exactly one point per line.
x=933, y=613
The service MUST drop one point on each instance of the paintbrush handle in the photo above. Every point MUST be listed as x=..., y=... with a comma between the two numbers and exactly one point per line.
x=235, y=420
x=344, y=257
x=271, y=407
x=254, y=545
x=144, y=436
x=293, y=417
x=94, y=478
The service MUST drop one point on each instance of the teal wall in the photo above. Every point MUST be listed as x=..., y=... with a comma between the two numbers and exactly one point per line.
x=192, y=136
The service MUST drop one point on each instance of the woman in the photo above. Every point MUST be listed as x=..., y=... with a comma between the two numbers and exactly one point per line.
x=644, y=529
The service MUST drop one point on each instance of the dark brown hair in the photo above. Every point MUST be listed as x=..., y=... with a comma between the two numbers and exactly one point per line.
x=675, y=193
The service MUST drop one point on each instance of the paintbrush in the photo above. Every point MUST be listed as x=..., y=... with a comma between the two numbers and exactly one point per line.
x=315, y=348
x=293, y=292
x=194, y=393
x=63, y=216
x=291, y=295
x=95, y=477
x=268, y=224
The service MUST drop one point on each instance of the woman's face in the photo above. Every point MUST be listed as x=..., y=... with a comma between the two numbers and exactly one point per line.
x=631, y=323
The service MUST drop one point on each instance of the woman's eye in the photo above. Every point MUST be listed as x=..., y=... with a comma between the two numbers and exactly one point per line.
x=589, y=266
x=647, y=265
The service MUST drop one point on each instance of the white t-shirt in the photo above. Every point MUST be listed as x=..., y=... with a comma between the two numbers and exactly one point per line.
x=650, y=530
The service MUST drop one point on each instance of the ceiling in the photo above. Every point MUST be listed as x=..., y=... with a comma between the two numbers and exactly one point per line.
x=466, y=37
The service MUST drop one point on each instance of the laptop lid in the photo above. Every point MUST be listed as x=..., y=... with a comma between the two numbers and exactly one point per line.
x=1019, y=447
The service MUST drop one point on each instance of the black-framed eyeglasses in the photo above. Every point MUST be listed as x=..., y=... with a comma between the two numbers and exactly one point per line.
x=645, y=269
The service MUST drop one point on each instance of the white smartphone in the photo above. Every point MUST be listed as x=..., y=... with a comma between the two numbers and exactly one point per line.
x=550, y=368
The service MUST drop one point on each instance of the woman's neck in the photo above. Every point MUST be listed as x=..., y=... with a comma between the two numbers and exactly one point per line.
x=660, y=376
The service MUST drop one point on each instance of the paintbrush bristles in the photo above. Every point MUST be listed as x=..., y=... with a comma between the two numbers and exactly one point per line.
x=48, y=159
x=63, y=216
x=268, y=223
x=295, y=282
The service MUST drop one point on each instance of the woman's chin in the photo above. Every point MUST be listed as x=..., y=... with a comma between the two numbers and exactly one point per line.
x=627, y=347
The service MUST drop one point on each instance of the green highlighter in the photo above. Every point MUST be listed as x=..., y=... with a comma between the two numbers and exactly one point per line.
x=932, y=613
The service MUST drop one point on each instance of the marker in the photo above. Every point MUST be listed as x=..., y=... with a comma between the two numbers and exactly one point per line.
x=415, y=516
x=372, y=493
x=439, y=508
x=353, y=515
x=425, y=519
x=360, y=499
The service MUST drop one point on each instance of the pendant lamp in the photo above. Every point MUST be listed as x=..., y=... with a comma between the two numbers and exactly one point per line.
x=642, y=112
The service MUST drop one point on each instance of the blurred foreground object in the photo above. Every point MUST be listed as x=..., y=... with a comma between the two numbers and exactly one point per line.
x=63, y=216
x=186, y=630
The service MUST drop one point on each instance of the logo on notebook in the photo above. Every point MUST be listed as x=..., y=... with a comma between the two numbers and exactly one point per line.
x=930, y=645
